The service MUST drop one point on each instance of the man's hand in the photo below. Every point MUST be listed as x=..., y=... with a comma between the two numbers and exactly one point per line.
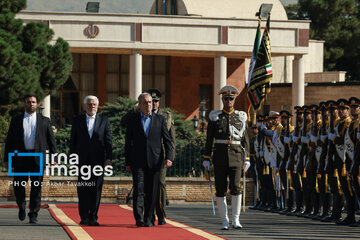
x=108, y=162
x=128, y=168
x=167, y=163
x=206, y=164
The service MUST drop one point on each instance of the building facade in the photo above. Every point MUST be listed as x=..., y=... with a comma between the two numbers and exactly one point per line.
x=188, y=55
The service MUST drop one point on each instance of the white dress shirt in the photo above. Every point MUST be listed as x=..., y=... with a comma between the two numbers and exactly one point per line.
x=90, y=122
x=29, y=124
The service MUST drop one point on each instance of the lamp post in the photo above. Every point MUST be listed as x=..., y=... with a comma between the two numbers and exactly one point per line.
x=199, y=123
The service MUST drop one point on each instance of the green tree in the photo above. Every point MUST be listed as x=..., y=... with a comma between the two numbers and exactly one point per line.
x=338, y=23
x=28, y=62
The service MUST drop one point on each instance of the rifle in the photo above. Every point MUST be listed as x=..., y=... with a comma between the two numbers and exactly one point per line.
x=329, y=165
x=324, y=145
x=292, y=161
x=314, y=131
x=303, y=153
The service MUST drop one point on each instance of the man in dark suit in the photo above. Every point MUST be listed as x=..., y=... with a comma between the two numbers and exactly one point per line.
x=91, y=140
x=29, y=132
x=144, y=156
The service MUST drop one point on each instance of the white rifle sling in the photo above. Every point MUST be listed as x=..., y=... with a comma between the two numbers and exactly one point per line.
x=340, y=149
x=349, y=145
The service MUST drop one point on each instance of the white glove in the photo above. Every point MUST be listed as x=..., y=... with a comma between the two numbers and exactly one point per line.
x=304, y=139
x=287, y=140
x=313, y=138
x=206, y=164
x=358, y=135
x=247, y=165
x=322, y=137
x=261, y=153
x=332, y=136
x=295, y=138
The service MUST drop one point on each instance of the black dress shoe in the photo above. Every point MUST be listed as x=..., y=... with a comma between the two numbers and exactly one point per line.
x=148, y=224
x=93, y=222
x=347, y=221
x=84, y=221
x=22, y=214
x=161, y=221
x=140, y=223
x=33, y=219
x=357, y=224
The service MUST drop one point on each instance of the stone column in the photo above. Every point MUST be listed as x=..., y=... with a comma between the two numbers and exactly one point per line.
x=298, y=85
x=220, y=68
x=135, y=75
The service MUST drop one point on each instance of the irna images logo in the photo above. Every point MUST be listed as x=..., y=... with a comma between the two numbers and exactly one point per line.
x=64, y=166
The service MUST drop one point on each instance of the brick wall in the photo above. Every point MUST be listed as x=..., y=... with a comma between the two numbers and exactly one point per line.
x=280, y=94
x=115, y=189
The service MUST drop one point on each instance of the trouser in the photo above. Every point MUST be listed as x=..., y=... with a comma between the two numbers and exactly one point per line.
x=162, y=196
x=222, y=173
x=298, y=187
x=89, y=194
x=335, y=189
x=146, y=182
x=349, y=194
x=325, y=195
x=35, y=193
x=27, y=165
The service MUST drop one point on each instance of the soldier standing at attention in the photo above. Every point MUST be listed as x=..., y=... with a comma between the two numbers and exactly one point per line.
x=228, y=129
x=162, y=196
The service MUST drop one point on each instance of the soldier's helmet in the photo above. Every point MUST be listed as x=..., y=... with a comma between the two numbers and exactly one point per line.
x=155, y=93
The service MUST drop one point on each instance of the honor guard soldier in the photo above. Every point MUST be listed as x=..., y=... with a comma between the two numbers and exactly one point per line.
x=295, y=178
x=321, y=176
x=286, y=132
x=162, y=196
x=254, y=145
x=342, y=160
x=227, y=128
x=314, y=160
x=354, y=135
x=333, y=178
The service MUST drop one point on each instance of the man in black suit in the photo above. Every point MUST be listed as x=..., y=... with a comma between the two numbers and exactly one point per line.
x=91, y=140
x=29, y=132
x=144, y=156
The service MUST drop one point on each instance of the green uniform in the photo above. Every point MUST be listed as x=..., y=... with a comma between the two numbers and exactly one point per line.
x=229, y=133
x=161, y=203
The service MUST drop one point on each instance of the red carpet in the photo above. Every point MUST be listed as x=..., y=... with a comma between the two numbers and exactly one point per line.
x=116, y=222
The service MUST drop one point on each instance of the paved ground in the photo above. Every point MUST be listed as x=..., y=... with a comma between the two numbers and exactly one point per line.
x=257, y=225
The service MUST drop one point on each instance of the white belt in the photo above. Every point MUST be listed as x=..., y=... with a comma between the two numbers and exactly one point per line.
x=227, y=141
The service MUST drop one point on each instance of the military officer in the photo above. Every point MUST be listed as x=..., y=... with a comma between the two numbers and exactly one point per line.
x=342, y=161
x=285, y=133
x=321, y=176
x=295, y=178
x=162, y=196
x=227, y=128
x=354, y=135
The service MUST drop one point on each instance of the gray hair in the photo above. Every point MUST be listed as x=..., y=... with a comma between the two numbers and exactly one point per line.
x=91, y=97
x=141, y=96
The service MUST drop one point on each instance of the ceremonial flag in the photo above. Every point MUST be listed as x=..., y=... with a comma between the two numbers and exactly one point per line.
x=261, y=75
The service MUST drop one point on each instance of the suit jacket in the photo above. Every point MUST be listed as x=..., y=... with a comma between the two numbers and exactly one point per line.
x=142, y=151
x=44, y=137
x=95, y=150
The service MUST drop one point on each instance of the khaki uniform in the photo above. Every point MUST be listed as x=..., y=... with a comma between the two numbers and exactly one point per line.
x=161, y=203
x=229, y=133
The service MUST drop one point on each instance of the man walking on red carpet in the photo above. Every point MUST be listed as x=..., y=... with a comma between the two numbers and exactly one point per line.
x=145, y=133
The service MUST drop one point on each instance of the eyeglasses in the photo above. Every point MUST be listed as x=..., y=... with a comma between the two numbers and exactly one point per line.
x=228, y=98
